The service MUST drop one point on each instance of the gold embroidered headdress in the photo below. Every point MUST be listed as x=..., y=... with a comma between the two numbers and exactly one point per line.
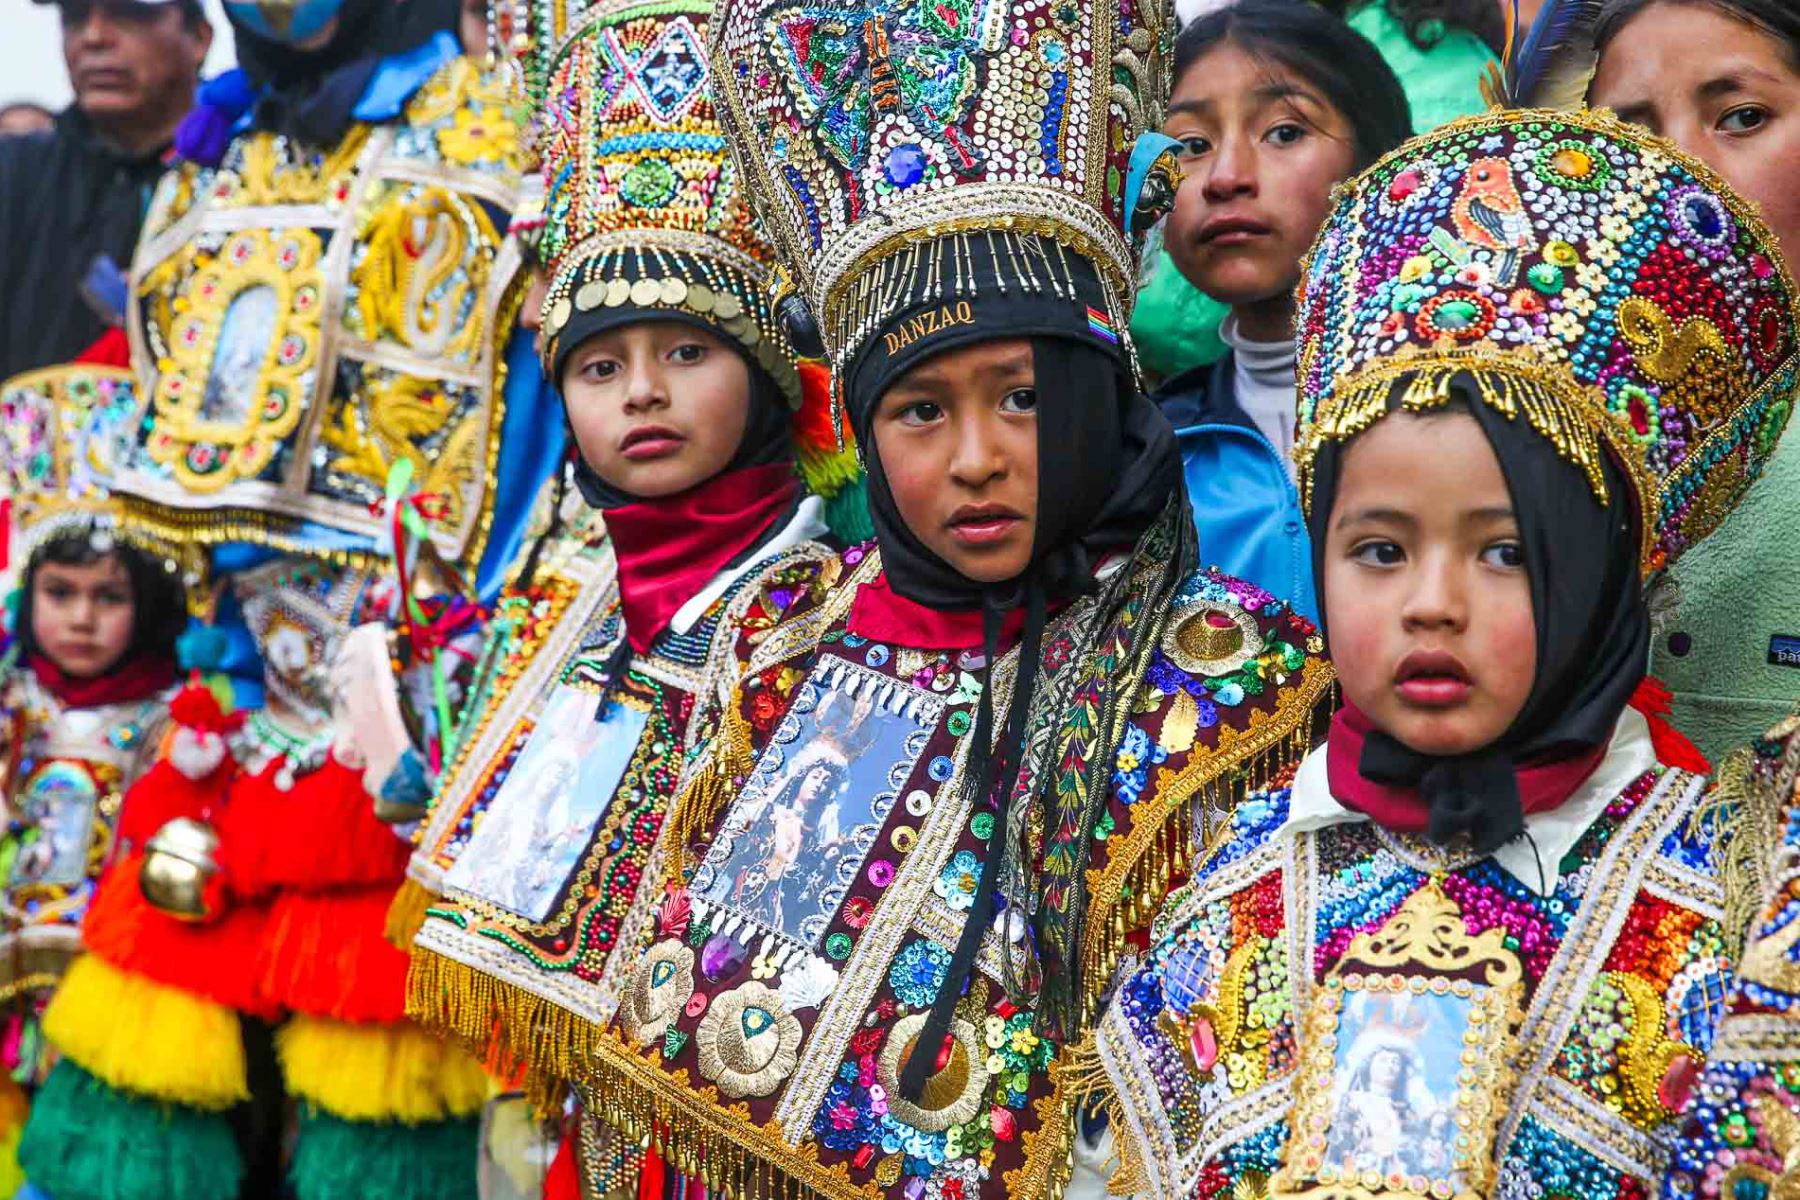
x=642, y=213
x=1579, y=273
x=912, y=157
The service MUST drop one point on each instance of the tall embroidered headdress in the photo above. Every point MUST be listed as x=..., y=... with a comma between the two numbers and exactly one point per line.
x=1583, y=276
x=64, y=434
x=910, y=158
x=642, y=212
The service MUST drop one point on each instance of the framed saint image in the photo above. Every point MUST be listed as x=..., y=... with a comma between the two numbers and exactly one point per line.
x=533, y=835
x=57, y=807
x=805, y=821
x=1403, y=1074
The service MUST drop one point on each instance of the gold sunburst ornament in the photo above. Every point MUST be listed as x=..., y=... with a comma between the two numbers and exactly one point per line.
x=748, y=1042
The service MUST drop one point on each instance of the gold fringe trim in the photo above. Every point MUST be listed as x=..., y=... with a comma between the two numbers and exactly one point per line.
x=1190, y=811
x=1745, y=816
x=508, y=1028
x=406, y=915
x=1566, y=413
x=698, y=807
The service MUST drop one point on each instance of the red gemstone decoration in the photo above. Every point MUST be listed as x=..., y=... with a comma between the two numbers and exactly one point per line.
x=1005, y=1125
x=1404, y=185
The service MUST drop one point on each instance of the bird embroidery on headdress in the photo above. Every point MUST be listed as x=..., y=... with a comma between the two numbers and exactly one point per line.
x=1489, y=213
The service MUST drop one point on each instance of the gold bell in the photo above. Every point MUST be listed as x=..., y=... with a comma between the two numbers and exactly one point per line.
x=180, y=874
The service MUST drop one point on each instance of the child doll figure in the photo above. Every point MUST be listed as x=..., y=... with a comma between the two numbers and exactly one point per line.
x=1541, y=355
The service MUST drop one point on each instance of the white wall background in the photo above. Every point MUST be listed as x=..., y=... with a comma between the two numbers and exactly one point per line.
x=31, y=65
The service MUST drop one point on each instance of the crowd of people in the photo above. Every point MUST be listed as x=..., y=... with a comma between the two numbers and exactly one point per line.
x=908, y=600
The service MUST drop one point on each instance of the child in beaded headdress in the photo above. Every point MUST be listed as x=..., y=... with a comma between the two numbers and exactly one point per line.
x=1498, y=445
x=706, y=481
x=961, y=781
x=86, y=681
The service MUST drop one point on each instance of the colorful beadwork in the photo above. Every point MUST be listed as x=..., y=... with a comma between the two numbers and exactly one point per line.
x=871, y=131
x=1587, y=277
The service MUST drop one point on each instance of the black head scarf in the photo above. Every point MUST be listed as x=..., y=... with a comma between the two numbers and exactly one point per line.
x=1593, y=630
x=158, y=599
x=1114, y=463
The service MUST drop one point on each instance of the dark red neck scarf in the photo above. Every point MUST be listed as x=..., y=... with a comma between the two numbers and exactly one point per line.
x=136, y=680
x=881, y=614
x=669, y=549
x=1543, y=785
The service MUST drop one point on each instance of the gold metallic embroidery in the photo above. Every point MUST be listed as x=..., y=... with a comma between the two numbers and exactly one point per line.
x=748, y=1043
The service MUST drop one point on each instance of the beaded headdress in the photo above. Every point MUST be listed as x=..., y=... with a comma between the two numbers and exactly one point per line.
x=642, y=213
x=298, y=609
x=64, y=433
x=1580, y=274
x=909, y=155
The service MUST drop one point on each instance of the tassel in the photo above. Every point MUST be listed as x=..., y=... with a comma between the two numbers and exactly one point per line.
x=351, y=1160
x=563, y=1181
x=139, y=1036
x=321, y=833
x=406, y=914
x=522, y=1039
x=325, y=955
x=215, y=961
x=86, y=1141
x=652, y=1176
x=379, y=1072
x=1653, y=699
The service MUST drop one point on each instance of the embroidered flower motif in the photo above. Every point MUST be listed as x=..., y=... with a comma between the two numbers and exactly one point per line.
x=1137, y=754
x=476, y=136
x=956, y=884
x=843, y=1116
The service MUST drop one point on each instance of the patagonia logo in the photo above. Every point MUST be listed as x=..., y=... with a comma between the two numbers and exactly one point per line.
x=1784, y=650
x=934, y=320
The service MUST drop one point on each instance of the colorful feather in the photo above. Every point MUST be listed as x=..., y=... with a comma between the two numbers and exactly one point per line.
x=1550, y=64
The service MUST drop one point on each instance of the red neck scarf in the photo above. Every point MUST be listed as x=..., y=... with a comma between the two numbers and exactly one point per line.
x=669, y=549
x=881, y=614
x=1543, y=786
x=136, y=680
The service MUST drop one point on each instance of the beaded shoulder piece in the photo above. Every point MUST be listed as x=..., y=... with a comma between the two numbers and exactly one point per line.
x=521, y=957
x=306, y=318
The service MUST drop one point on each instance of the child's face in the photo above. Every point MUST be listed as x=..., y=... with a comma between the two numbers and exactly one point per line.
x=1261, y=151
x=1426, y=596
x=658, y=407
x=1722, y=89
x=957, y=436
x=82, y=616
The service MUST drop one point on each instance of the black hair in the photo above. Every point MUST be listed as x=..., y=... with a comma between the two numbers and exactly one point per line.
x=159, y=607
x=1427, y=21
x=1319, y=47
x=1780, y=19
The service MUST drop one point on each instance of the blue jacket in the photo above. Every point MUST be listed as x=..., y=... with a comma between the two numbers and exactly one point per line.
x=1246, y=509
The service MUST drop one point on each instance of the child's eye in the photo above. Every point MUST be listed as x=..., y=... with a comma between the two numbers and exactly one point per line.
x=599, y=368
x=1745, y=118
x=113, y=596
x=1378, y=553
x=58, y=591
x=1021, y=400
x=688, y=352
x=1509, y=556
x=1194, y=146
x=921, y=412
x=1286, y=134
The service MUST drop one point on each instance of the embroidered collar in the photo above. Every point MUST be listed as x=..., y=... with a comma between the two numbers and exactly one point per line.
x=1535, y=861
x=807, y=524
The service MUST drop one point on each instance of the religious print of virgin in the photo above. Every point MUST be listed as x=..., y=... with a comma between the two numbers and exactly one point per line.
x=1395, y=1090
x=798, y=833
x=533, y=836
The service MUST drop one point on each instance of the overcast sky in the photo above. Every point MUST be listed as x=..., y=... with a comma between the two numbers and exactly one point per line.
x=31, y=65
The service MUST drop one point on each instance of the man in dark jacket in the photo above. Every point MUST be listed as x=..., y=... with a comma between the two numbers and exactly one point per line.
x=72, y=199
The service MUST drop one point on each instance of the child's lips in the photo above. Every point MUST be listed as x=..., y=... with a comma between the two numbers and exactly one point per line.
x=1433, y=679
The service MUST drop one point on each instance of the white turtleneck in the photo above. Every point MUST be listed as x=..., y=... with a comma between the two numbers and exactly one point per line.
x=1264, y=382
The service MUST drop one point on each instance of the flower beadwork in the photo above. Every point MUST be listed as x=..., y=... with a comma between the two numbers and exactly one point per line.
x=477, y=136
x=1137, y=754
x=918, y=972
x=957, y=882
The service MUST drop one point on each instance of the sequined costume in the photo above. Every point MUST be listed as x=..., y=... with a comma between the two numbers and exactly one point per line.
x=1537, y=1017
x=312, y=327
x=541, y=862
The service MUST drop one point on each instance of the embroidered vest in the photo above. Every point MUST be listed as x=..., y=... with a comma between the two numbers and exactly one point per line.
x=1353, y=1008
x=762, y=1031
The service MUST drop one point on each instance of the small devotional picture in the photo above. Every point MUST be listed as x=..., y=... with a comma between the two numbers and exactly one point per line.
x=535, y=832
x=799, y=831
x=1395, y=1092
x=57, y=808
